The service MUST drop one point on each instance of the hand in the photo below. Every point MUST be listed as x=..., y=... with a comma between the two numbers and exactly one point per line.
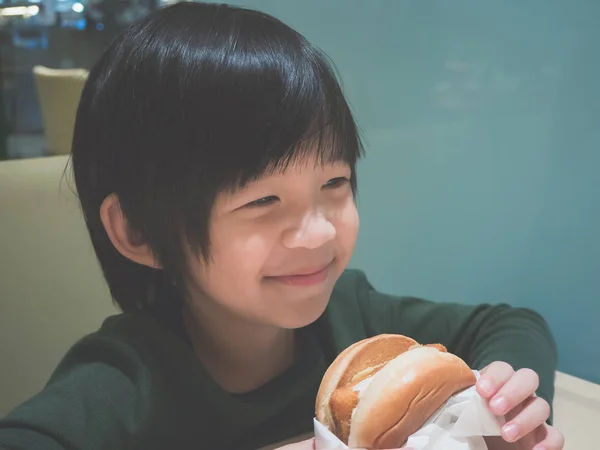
x=512, y=395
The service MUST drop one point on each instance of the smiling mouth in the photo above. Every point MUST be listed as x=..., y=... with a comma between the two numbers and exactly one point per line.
x=308, y=277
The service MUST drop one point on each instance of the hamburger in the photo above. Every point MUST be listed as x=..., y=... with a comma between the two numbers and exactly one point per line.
x=380, y=390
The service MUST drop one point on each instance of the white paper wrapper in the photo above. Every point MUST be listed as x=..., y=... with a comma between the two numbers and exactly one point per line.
x=458, y=425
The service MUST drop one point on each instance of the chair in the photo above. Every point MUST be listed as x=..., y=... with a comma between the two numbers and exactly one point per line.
x=59, y=91
x=52, y=291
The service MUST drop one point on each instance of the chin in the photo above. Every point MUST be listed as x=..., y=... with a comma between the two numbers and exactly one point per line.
x=305, y=312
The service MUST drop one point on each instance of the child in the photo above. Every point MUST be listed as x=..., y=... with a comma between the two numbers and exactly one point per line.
x=214, y=156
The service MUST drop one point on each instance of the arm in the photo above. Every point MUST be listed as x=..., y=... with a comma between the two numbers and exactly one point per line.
x=480, y=334
x=94, y=400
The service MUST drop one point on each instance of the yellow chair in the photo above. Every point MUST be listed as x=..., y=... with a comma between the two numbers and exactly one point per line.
x=52, y=291
x=59, y=91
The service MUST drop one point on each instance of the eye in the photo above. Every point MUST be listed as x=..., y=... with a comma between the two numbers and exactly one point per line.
x=336, y=182
x=265, y=201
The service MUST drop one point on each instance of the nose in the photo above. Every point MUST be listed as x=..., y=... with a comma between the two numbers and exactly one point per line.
x=314, y=231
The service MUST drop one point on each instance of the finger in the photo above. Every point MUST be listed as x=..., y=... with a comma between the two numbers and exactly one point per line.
x=493, y=378
x=554, y=440
x=515, y=391
x=534, y=414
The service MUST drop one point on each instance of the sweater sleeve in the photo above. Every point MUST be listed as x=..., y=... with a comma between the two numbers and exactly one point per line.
x=479, y=334
x=96, y=399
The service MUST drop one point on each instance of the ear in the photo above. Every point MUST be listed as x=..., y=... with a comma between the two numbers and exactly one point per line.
x=122, y=237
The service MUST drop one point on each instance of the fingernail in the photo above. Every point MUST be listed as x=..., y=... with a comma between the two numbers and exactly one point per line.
x=486, y=385
x=499, y=405
x=510, y=432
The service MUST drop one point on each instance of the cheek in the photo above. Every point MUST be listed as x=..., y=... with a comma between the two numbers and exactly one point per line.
x=233, y=273
x=347, y=223
x=250, y=252
x=239, y=255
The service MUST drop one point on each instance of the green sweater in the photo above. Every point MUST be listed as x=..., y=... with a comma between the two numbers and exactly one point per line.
x=136, y=384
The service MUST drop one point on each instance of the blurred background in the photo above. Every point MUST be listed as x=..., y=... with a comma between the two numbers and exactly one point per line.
x=481, y=182
x=53, y=34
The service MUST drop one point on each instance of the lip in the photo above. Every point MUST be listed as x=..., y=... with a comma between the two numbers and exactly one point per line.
x=308, y=277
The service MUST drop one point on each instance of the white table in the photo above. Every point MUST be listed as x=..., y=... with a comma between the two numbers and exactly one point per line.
x=577, y=412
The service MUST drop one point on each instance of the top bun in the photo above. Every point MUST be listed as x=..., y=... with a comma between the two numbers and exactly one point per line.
x=382, y=389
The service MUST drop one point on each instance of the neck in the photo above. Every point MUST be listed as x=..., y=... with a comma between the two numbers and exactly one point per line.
x=240, y=355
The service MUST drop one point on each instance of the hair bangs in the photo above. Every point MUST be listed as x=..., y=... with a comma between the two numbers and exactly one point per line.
x=265, y=100
x=323, y=142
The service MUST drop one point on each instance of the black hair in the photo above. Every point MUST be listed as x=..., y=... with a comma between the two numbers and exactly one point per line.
x=193, y=99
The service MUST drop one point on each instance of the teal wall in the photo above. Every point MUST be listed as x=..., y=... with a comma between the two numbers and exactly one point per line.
x=482, y=125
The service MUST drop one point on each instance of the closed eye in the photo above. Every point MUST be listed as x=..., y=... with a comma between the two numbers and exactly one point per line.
x=336, y=182
x=265, y=201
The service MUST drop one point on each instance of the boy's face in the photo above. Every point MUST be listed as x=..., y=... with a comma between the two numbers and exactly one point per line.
x=279, y=245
